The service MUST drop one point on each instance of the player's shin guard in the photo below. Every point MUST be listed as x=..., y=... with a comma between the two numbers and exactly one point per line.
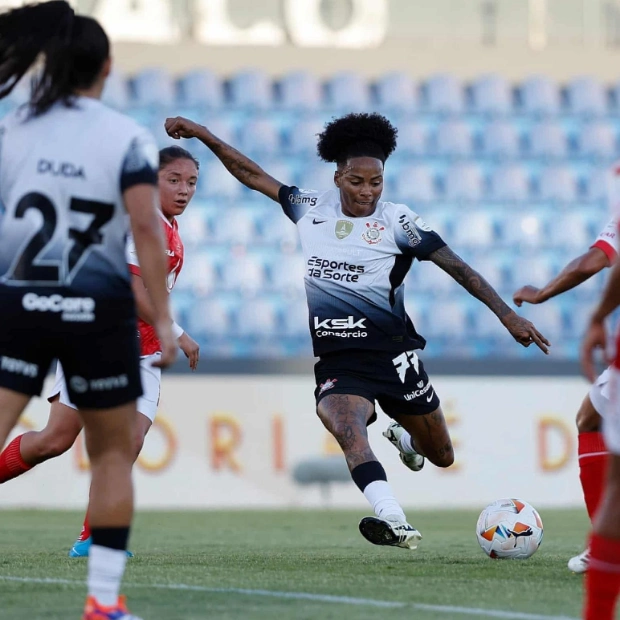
x=602, y=578
x=11, y=462
x=593, y=460
x=106, y=563
x=371, y=480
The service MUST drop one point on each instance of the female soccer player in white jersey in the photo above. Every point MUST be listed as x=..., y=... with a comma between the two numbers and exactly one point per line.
x=70, y=171
x=593, y=455
x=178, y=174
x=358, y=250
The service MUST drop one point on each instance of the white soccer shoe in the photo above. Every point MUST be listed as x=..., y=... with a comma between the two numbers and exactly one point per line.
x=391, y=531
x=579, y=564
x=393, y=433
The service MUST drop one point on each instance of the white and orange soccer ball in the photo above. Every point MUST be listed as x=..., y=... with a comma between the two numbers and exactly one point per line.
x=509, y=528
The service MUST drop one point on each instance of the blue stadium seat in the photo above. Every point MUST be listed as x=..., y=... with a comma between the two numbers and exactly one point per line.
x=548, y=319
x=214, y=317
x=295, y=319
x=464, y=182
x=302, y=137
x=540, y=95
x=397, y=92
x=258, y=317
x=547, y=139
x=414, y=183
x=236, y=225
x=222, y=128
x=500, y=139
x=244, y=273
x=201, y=87
x=413, y=138
x=524, y=229
x=597, y=185
x=200, y=273
x=287, y=273
x=444, y=94
x=300, y=90
x=251, y=89
x=535, y=270
x=573, y=232
x=598, y=140
x=259, y=136
x=154, y=87
x=449, y=319
x=475, y=231
x=586, y=96
x=216, y=182
x=194, y=224
x=116, y=92
x=348, y=91
x=558, y=183
x=454, y=139
x=492, y=95
x=510, y=183
x=319, y=177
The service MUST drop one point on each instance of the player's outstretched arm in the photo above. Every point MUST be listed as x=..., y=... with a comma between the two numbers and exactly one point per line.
x=141, y=203
x=241, y=167
x=521, y=329
x=595, y=337
x=577, y=271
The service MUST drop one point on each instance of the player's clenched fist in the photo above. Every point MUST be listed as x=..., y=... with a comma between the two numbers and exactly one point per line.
x=179, y=127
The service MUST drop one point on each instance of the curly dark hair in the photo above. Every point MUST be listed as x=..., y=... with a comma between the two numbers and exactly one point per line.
x=357, y=135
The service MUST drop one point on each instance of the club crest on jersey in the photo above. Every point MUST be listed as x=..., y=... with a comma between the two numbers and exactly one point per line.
x=343, y=228
x=372, y=234
x=328, y=385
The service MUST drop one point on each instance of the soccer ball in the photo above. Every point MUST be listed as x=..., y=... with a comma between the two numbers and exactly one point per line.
x=509, y=528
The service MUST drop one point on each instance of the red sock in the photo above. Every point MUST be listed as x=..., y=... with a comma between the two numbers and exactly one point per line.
x=11, y=462
x=602, y=578
x=85, y=533
x=593, y=458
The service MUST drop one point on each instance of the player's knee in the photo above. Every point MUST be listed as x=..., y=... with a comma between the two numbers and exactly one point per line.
x=588, y=420
x=444, y=460
x=51, y=446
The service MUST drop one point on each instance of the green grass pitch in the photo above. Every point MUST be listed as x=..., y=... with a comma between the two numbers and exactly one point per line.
x=237, y=565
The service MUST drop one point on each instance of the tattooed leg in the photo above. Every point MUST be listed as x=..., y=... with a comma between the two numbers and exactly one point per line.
x=346, y=417
x=430, y=435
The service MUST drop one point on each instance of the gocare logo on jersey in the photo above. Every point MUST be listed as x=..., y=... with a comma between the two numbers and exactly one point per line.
x=341, y=328
x=72, y=309
x=339, y=271
x=410, y=230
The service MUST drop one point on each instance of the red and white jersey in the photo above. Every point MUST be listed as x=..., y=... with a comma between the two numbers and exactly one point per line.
x=607, y=239
x=149, y=342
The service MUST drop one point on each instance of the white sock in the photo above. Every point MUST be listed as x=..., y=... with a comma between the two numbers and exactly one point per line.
x=405, y=444
x=105, y=572
x=380, y=496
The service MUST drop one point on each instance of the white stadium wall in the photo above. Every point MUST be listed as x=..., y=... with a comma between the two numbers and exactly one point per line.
x=231, y=441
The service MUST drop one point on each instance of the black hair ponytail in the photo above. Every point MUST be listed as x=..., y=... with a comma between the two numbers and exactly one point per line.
x=172, y=153
x=74, y=49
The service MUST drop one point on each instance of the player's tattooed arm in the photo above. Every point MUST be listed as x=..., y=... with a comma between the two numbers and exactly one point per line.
x=521, y=329
x=241, y=167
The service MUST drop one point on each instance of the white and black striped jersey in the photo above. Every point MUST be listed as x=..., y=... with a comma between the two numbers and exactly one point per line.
x=355, y=270
x=62, y=178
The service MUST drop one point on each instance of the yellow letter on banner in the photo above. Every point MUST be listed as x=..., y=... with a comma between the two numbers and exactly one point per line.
x=225, y=438
x=550, y=428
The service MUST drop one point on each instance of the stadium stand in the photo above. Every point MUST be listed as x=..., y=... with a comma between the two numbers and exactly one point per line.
x=494, y=166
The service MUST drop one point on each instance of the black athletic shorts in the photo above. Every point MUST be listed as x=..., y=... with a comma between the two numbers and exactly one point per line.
x=397, y=381
x=95, y=341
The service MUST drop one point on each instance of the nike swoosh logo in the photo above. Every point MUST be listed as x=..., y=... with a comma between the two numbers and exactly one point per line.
x=429, y=398
x=319, y=221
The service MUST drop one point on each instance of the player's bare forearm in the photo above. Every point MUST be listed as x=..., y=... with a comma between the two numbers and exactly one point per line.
x=144, y=306
x=575, y=273
x=239, y=165
x=611, y=296
x=471, y=281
